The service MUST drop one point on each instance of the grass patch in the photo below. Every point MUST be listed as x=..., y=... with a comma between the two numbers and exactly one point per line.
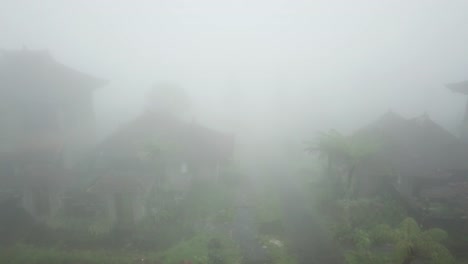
x=26, y=254
x=202, y=249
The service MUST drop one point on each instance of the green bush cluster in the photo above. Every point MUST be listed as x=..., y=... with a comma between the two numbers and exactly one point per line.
x=199, y=249
x=406, y=242
x=26, y=254
x=347, y=216
x=202, y=249
x=364, y=213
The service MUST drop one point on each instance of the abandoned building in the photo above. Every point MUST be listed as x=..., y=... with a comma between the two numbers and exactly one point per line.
x=47, y=125
x=462, y=88
x=156, y=150
x=422, y=161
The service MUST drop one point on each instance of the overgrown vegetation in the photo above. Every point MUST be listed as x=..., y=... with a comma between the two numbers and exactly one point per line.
x=277, y=250
x=403, y=244
x=210, y=249
x=26, y=254
x=372, y=229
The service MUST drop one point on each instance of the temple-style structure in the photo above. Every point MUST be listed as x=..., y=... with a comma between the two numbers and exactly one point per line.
x=462, y=88
x=47, y=124
x=152, y=151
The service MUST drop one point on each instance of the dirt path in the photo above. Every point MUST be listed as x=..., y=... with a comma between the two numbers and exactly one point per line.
x=311, y=240
x=245, y=229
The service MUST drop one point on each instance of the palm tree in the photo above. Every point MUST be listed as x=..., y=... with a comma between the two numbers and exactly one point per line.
x=342, y=152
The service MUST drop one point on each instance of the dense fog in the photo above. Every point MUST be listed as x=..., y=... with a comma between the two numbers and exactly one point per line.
x=334, y=63
x=295, y=101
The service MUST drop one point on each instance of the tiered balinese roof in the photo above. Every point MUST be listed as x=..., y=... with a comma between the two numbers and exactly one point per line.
x=418, y=147
x=459, y=87
x=188, y=141
x=422, y=150
x=29, y=73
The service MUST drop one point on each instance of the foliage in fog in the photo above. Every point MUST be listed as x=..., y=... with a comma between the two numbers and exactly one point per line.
x=343, y=155
x=406, y=243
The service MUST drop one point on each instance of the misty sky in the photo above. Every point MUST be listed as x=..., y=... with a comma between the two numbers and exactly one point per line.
x=317, y=64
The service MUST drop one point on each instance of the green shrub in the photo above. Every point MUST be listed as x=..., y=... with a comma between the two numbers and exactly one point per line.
x=408, y=240
x=365, y=213
x=361, y=239
x=199, y=249
x=25, y=254
x=381, y=234
x=411, y=240
x=342, y=232
x=436, y=234
x=366, y=257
